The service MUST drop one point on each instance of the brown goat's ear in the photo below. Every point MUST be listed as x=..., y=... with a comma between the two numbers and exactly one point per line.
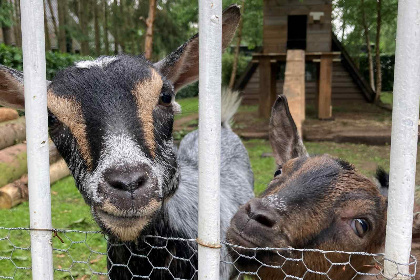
x=11, y=88
x=181, y=66
x=284, y=137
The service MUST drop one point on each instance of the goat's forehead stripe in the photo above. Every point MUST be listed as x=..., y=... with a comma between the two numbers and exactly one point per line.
x=69, y=112
x=147, y=94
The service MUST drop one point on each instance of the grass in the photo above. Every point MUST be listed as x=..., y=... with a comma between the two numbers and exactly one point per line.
x=386, y=97
x=189, y=106
x=71, y=212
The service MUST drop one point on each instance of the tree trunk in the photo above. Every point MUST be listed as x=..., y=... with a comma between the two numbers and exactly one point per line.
x=96, y=26
x=19, y=38
x=54, y=20
x=369, y=50
x=123, y=33
x=343, y=28
x=106, y=41
x=12, y=132
x=17, y=192
x=116, y=29
x=238, y=44
x=62, y=12
x=148, y=43
x=13, y=162
x=46, y=30
x=7, y=31
x=378, y=52
x=83, y=10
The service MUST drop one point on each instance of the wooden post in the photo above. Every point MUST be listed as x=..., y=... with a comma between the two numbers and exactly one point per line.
x=294, y=85
x=268, y=90
x=325, y=81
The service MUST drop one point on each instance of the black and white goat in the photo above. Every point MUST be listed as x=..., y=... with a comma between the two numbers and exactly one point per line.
x=111, y=119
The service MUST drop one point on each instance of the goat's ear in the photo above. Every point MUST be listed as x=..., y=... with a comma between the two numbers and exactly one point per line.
x=284, y=137
x=11, y=88
x=382, y=178
x=181, y=66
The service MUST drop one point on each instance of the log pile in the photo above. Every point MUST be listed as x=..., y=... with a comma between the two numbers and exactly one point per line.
x=16, y=192
x=13, y=167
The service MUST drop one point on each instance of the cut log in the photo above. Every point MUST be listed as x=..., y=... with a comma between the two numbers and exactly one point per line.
x=17, y=192
x=7, y=114
x=13, y=162
x=12, y=132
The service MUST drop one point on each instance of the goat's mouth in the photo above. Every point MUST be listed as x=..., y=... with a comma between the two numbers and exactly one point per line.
x=126, y=225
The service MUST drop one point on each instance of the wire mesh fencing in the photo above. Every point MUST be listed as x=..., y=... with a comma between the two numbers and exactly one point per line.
x=84, y=255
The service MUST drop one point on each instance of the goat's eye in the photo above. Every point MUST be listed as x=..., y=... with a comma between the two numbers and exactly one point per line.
x=360, y=227
x=165, y=98
x=278, y=172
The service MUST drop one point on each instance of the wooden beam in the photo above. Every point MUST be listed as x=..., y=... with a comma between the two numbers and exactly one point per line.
x=325, y=81
x=267, y=87
x=294, y=86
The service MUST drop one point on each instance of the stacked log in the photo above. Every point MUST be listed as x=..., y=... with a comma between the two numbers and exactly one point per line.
x=7, y=114
x=13, y=167
x=12, y=132
x=17, y=192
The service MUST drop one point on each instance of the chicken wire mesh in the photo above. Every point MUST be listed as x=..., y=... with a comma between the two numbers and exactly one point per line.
x=83, y=255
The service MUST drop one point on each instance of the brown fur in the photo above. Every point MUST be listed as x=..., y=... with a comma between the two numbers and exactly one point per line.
x=70, y=114
x=147, y=95
x=11, y=93
x=312, y=204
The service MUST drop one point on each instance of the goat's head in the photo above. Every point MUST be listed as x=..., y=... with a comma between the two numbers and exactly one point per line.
x=111, y=119
x=318, y=202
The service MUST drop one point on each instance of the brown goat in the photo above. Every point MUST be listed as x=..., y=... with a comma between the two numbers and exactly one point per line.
x=313, y=202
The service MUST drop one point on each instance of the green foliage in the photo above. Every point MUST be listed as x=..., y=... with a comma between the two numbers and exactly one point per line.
x=188, y=91
x=6, y=11
x=227, y=65
x=348, y=13
x=387, y=67
x=12, y=57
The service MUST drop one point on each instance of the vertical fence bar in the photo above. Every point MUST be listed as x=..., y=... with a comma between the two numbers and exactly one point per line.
x=404, y=137
x=34, y=69
x=210, y=40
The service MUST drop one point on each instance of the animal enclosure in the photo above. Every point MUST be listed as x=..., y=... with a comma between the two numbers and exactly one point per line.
x=205, y=255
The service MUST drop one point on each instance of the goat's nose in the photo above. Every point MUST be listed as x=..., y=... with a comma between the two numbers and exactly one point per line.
x=261, y=213
x=126, y=179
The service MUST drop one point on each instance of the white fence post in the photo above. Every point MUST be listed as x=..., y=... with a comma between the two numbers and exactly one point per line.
x=404, y=137
x=34, y=69
x=210, y=40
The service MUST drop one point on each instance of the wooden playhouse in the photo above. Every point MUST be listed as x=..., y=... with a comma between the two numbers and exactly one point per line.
x=328, y=74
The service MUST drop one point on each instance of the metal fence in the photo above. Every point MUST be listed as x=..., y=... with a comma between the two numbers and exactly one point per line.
x=77, y=255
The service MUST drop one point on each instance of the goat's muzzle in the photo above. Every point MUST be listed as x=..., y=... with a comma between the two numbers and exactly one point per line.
x=131, y=197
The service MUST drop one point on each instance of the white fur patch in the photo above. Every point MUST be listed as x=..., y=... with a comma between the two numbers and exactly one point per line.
x=275, y=201
x=119, y=150
x=176, y=108
x=100, y=62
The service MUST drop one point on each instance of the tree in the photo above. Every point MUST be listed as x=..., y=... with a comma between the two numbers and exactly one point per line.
x=96, y=27
x=6, y=21
x=106, y=30
x=62, y=12
x=378, y=52
x=148, y=43
x=84, y=22
x=46, y=30
x=369, y=49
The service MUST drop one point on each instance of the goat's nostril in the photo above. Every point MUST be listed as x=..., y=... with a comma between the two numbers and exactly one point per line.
x=126, y=180
x=264, y=220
